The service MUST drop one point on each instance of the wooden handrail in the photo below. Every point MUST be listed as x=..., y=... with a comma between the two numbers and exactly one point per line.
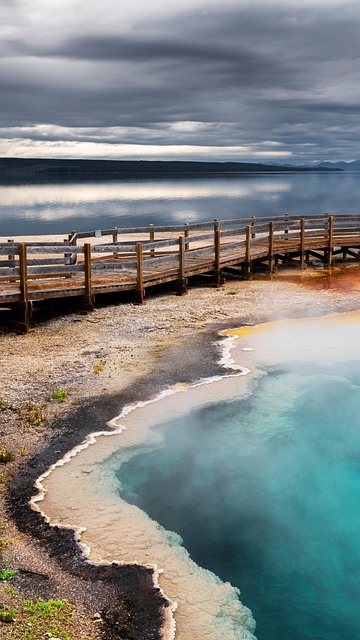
x=131, y=266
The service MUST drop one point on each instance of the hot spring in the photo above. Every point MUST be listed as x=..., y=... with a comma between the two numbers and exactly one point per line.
x=254, y=478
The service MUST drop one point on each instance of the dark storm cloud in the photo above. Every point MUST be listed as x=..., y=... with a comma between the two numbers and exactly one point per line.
x=285, y=73
x=120, y=48
x=216, y=58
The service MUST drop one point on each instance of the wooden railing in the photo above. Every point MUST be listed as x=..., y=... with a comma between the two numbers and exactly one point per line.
x=140, y=257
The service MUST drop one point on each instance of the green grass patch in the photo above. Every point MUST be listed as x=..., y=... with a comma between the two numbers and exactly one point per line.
x=60, y=395
x=31, y=414
x=7, y=574
x=7, y=616
x=46, y=608
x=38, y=619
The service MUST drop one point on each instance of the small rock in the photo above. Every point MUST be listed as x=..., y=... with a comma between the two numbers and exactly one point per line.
x=97, y=617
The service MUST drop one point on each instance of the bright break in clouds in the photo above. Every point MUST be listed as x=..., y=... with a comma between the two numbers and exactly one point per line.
x=206, y=80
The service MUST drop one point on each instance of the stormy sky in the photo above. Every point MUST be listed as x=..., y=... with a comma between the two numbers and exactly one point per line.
x=196, y=79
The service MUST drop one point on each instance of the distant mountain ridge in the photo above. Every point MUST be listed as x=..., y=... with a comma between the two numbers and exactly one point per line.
x=42, y=170
x=342, y=165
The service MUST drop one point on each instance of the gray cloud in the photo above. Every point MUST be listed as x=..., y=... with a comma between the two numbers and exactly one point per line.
x=244, y=75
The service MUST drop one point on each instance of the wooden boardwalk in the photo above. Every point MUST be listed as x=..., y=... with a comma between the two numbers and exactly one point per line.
x=88, y=264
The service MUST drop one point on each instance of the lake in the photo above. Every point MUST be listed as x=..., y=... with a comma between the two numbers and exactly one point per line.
x=60, y=208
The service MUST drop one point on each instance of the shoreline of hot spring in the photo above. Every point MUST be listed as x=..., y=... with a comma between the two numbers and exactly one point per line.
x=117, y=423
x=227, y=363
x=144, y=350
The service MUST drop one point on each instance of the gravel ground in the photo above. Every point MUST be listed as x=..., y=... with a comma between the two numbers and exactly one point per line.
x=98, y=363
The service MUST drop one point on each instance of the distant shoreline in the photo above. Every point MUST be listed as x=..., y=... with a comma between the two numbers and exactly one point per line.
x=42, y=171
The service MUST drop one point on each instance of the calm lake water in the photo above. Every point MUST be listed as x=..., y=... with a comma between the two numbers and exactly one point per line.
x=60, y=208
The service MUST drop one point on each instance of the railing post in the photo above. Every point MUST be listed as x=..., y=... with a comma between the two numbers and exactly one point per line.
x=216, y=229
x=217, y=252
x=115, y=240
x=302, y=243
x=88, y=300
x=182, y=278
x=271, y=247
x=253, y=225
x=24, y=305
x=186, y=235
x=139, y=292
x=330, y=240
x=248, y=252
x=11, y=256
x=23, y=273
x=152, y=238
x=286, y=230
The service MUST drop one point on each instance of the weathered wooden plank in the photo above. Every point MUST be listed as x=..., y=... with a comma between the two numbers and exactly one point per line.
x=118, y=248
x=46, y=269
x=8, y=249
x=118, y=265
x=58, y=248
x=44, y=249
x=355, y=230
x=48, y=261
x=11, y=271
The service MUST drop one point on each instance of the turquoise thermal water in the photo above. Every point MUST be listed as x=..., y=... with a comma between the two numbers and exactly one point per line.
x=265, y=492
